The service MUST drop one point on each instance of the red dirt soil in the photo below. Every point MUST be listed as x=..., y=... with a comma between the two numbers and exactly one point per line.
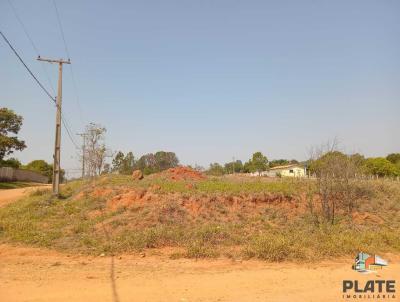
x=183, y=173
x=220, y=206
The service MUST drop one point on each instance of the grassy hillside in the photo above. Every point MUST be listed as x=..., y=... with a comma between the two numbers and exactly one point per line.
x=205, y=217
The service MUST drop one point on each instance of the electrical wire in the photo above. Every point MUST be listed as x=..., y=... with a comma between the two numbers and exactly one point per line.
x=41, y=86
x=63, y=117
x=68, y=55
x=33, y=44
x=68, y=132
x=61, y=28
x=27, y=68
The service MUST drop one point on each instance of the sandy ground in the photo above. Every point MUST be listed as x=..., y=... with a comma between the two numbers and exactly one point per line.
x=10, y=195
x=30, y=274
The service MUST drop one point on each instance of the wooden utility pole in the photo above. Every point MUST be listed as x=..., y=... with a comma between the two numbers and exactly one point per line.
x=57, y=144
x=83, y=135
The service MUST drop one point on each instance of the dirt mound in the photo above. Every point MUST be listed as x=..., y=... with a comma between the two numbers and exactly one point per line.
x=178, y=207
x=101, y=192
x=183, y=173
x=129, y=198
x=137, y=175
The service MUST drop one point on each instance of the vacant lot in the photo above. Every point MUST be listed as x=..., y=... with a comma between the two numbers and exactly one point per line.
x=198, y=217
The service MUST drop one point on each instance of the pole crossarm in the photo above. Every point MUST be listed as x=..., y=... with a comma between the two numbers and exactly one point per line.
x=60, y=61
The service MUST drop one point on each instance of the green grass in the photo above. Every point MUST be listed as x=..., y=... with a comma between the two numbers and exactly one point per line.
x=16, y=185
x=215, y=185
x=265, y=232
x=211, y=185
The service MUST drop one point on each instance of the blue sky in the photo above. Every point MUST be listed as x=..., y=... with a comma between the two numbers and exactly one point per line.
x=210, y=80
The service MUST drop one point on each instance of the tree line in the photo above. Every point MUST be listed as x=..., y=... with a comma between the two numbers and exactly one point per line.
x=388, y=166
x=148, y=163
x=95, y=156
x=257, y=163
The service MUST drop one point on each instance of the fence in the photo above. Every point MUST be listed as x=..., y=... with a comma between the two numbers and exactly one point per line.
x=8, y=174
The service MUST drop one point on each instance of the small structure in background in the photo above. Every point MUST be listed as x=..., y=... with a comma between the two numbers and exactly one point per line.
x=293, y=170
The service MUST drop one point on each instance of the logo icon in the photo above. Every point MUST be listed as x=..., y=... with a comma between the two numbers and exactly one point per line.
x=366, y=264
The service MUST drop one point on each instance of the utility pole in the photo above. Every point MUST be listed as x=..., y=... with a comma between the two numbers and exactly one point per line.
x=57, y=144
x=83, y=135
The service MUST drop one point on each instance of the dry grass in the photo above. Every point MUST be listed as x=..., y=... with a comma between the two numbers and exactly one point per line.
x=208, y=218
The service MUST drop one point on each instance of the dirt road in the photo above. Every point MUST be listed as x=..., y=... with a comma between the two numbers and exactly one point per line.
x=28, y=274
x=8, y=196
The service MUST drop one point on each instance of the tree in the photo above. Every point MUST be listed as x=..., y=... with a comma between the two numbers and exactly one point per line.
x=238, y=166
x=118, y=161
x=229, y=168
x=330, y=162
x=41, y=167
x=215, y=169
x=128, y=164
x=258, y=163
x=160, y=161
x=247, y=167
x=10, y=123
x=11, y=162
x=165, y=160
x=233, y=167
x=335, y=174
x=381, y=167
x=358, y=159
x=96, y=151
x=44, y=168
x=123, y=164
x=147, y=163
x=394, y=158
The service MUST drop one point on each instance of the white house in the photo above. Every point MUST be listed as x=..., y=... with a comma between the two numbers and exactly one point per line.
x=293, y=170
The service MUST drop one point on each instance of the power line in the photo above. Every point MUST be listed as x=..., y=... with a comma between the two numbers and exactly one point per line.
x=76, y=94
x=61, y=29
x=68, y=131
x=64, y=119
x=40, y=84
x=32, y=43
x=27, y=68
x=68, y=55
x=23, y=26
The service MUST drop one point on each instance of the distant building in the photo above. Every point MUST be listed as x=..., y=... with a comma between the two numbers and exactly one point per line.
x=293, y=170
